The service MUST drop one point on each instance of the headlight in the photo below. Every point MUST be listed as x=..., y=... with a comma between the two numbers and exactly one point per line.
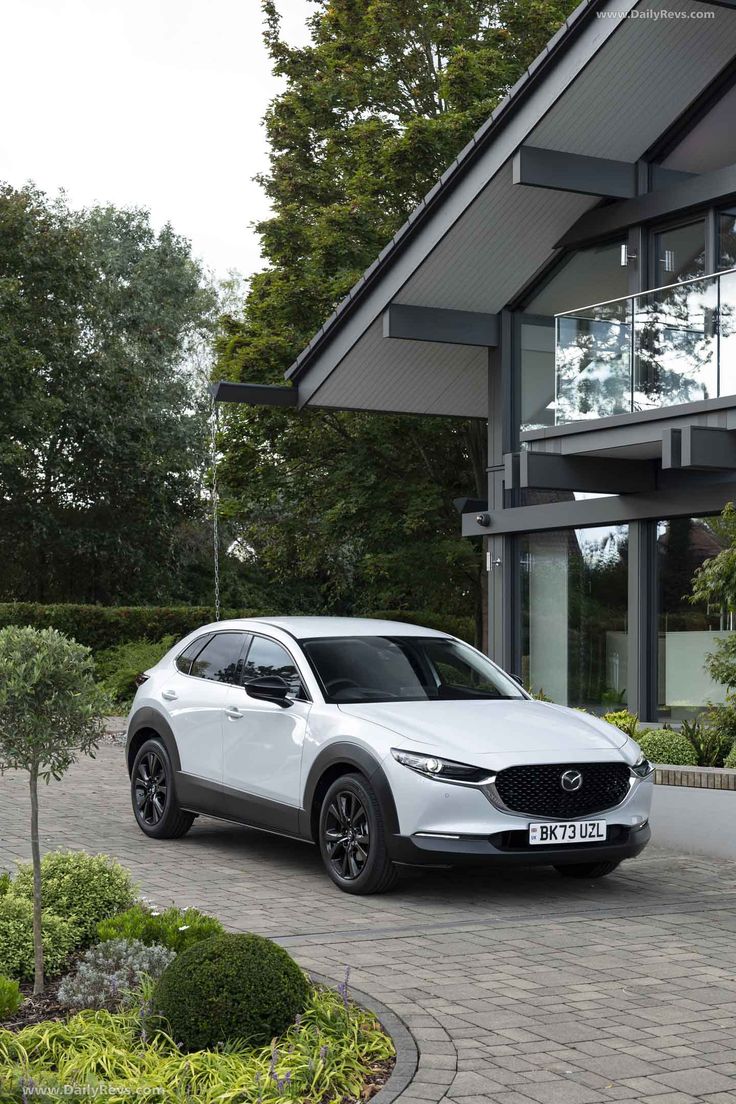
x=642, y=767
x=444, y=770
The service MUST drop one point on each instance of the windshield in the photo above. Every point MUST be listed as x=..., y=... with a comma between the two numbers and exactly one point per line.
x=404, y=668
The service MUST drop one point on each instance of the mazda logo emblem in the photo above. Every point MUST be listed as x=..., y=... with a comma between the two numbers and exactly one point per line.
x=571, y=780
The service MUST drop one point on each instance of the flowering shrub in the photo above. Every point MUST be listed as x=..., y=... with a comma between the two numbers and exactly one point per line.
x=177, y=929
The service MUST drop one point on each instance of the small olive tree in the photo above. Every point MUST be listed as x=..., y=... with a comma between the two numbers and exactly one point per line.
x=51, y=712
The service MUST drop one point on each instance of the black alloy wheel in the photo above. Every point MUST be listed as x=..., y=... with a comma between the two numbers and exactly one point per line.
x=347, y=835
x=150, y=788
x=157, y=812
x=352, y=837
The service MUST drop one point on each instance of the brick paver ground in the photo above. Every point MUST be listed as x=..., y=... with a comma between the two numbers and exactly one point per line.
x=519, y=987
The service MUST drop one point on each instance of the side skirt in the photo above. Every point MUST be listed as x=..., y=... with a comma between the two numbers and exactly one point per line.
x=199, y=795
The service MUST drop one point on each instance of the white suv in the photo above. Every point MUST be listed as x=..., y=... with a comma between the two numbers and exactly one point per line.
x=383, y=743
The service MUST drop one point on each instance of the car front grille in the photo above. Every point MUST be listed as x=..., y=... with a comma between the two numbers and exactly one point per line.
x=538, y=789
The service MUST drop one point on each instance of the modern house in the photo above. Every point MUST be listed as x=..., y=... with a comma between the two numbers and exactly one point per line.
x=571, y=279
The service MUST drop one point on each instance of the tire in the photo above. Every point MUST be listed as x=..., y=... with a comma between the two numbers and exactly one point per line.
x=152, y=794
x=587, y=870
x=352, y=837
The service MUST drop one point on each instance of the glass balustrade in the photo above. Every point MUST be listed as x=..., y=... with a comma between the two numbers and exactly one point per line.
x=663, y=347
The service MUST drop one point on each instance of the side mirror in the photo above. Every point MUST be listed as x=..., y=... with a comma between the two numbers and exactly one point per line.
x=271, y=688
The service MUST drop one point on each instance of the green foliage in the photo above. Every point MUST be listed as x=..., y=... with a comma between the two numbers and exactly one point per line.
x=721, y=664
x=231, y=987
x=177, y=929
x=462, y=627
x=666, y=746
x=711, y=736
x=626, y=721
x=357, y=508
x=714, y=582
x=50, y=706
x=328, y=1055
x=102, y=416
x=102, y=627
x=5, y=881
x=730, y=760
x=118, y=667
x=16, y=938
x=10, y=998
x=109, y=974
x=82, y=888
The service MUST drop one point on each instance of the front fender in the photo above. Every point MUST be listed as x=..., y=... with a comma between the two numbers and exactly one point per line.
x=356, y=757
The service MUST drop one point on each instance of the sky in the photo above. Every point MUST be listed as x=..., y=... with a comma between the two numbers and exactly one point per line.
x=145, y=103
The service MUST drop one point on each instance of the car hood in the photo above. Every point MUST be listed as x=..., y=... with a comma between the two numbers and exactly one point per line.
x=459, y=729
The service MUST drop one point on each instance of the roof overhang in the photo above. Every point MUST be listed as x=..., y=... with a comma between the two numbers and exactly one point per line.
x=572, y=131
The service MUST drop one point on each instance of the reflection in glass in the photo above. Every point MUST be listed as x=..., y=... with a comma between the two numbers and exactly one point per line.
x=687, y=633
x=660, y=348
x=727, y=239
x=574, y=616
x=593, y=362
x=675, y=354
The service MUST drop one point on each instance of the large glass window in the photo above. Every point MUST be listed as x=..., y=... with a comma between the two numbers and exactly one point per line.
x=687, y=632
x=574, y=586
x=679, y=254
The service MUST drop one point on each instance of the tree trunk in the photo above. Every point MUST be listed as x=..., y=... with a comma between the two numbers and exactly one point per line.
x=36, y=853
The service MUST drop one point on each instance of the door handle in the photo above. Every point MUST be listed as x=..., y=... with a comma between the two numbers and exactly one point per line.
x=234, y=713
x=169, y=695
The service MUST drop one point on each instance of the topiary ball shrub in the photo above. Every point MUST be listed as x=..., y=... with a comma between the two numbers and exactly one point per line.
x=177, y=929
x=83, y=889
x=16, y=939
x=665, y=746
x=230, y=987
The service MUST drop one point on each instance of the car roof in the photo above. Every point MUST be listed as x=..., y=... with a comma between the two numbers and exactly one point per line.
x=306, y=628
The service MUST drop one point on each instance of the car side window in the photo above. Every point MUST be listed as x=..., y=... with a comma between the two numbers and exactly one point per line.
x=266, y=657
x=219, y=660
x=184, y=661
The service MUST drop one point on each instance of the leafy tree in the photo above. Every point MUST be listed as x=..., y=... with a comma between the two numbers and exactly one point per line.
x=714, y=582
x=102, y=432
x=373, y=110
x=51, y=712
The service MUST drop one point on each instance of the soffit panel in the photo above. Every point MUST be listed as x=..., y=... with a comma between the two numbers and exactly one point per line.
x=414, y=377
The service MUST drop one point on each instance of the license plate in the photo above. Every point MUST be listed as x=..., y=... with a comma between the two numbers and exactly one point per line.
x=573, y=831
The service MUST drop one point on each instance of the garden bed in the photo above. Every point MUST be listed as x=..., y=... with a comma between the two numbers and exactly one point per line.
x=165, y=1006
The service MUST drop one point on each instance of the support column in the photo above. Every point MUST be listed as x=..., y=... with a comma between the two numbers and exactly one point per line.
x=501, y=551
x=642, y=620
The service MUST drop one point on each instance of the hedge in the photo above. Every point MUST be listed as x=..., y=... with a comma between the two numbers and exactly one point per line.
x=105, y=626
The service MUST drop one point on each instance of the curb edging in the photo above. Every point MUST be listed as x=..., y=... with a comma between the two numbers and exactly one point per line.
x=407, y=1051
x=701, y=778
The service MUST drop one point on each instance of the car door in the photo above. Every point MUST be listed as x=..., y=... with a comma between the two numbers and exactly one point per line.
x=263, y=740
x=203, y=687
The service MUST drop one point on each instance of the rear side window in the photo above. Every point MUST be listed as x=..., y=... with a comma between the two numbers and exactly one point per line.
x=266, y=657
x=184, y=661
x=219, y=660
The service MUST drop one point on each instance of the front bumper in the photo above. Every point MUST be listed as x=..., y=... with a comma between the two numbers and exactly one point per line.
x=510, y=847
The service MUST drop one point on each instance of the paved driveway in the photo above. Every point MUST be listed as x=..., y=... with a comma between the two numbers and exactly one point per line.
x=520, y=988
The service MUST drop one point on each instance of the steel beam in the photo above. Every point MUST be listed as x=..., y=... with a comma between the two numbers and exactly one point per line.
x=552, y=472
x=704, y=447
x=697, y=191
x=455, y=327
x=678, y=494
x=257, y=394
x=574, y=172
